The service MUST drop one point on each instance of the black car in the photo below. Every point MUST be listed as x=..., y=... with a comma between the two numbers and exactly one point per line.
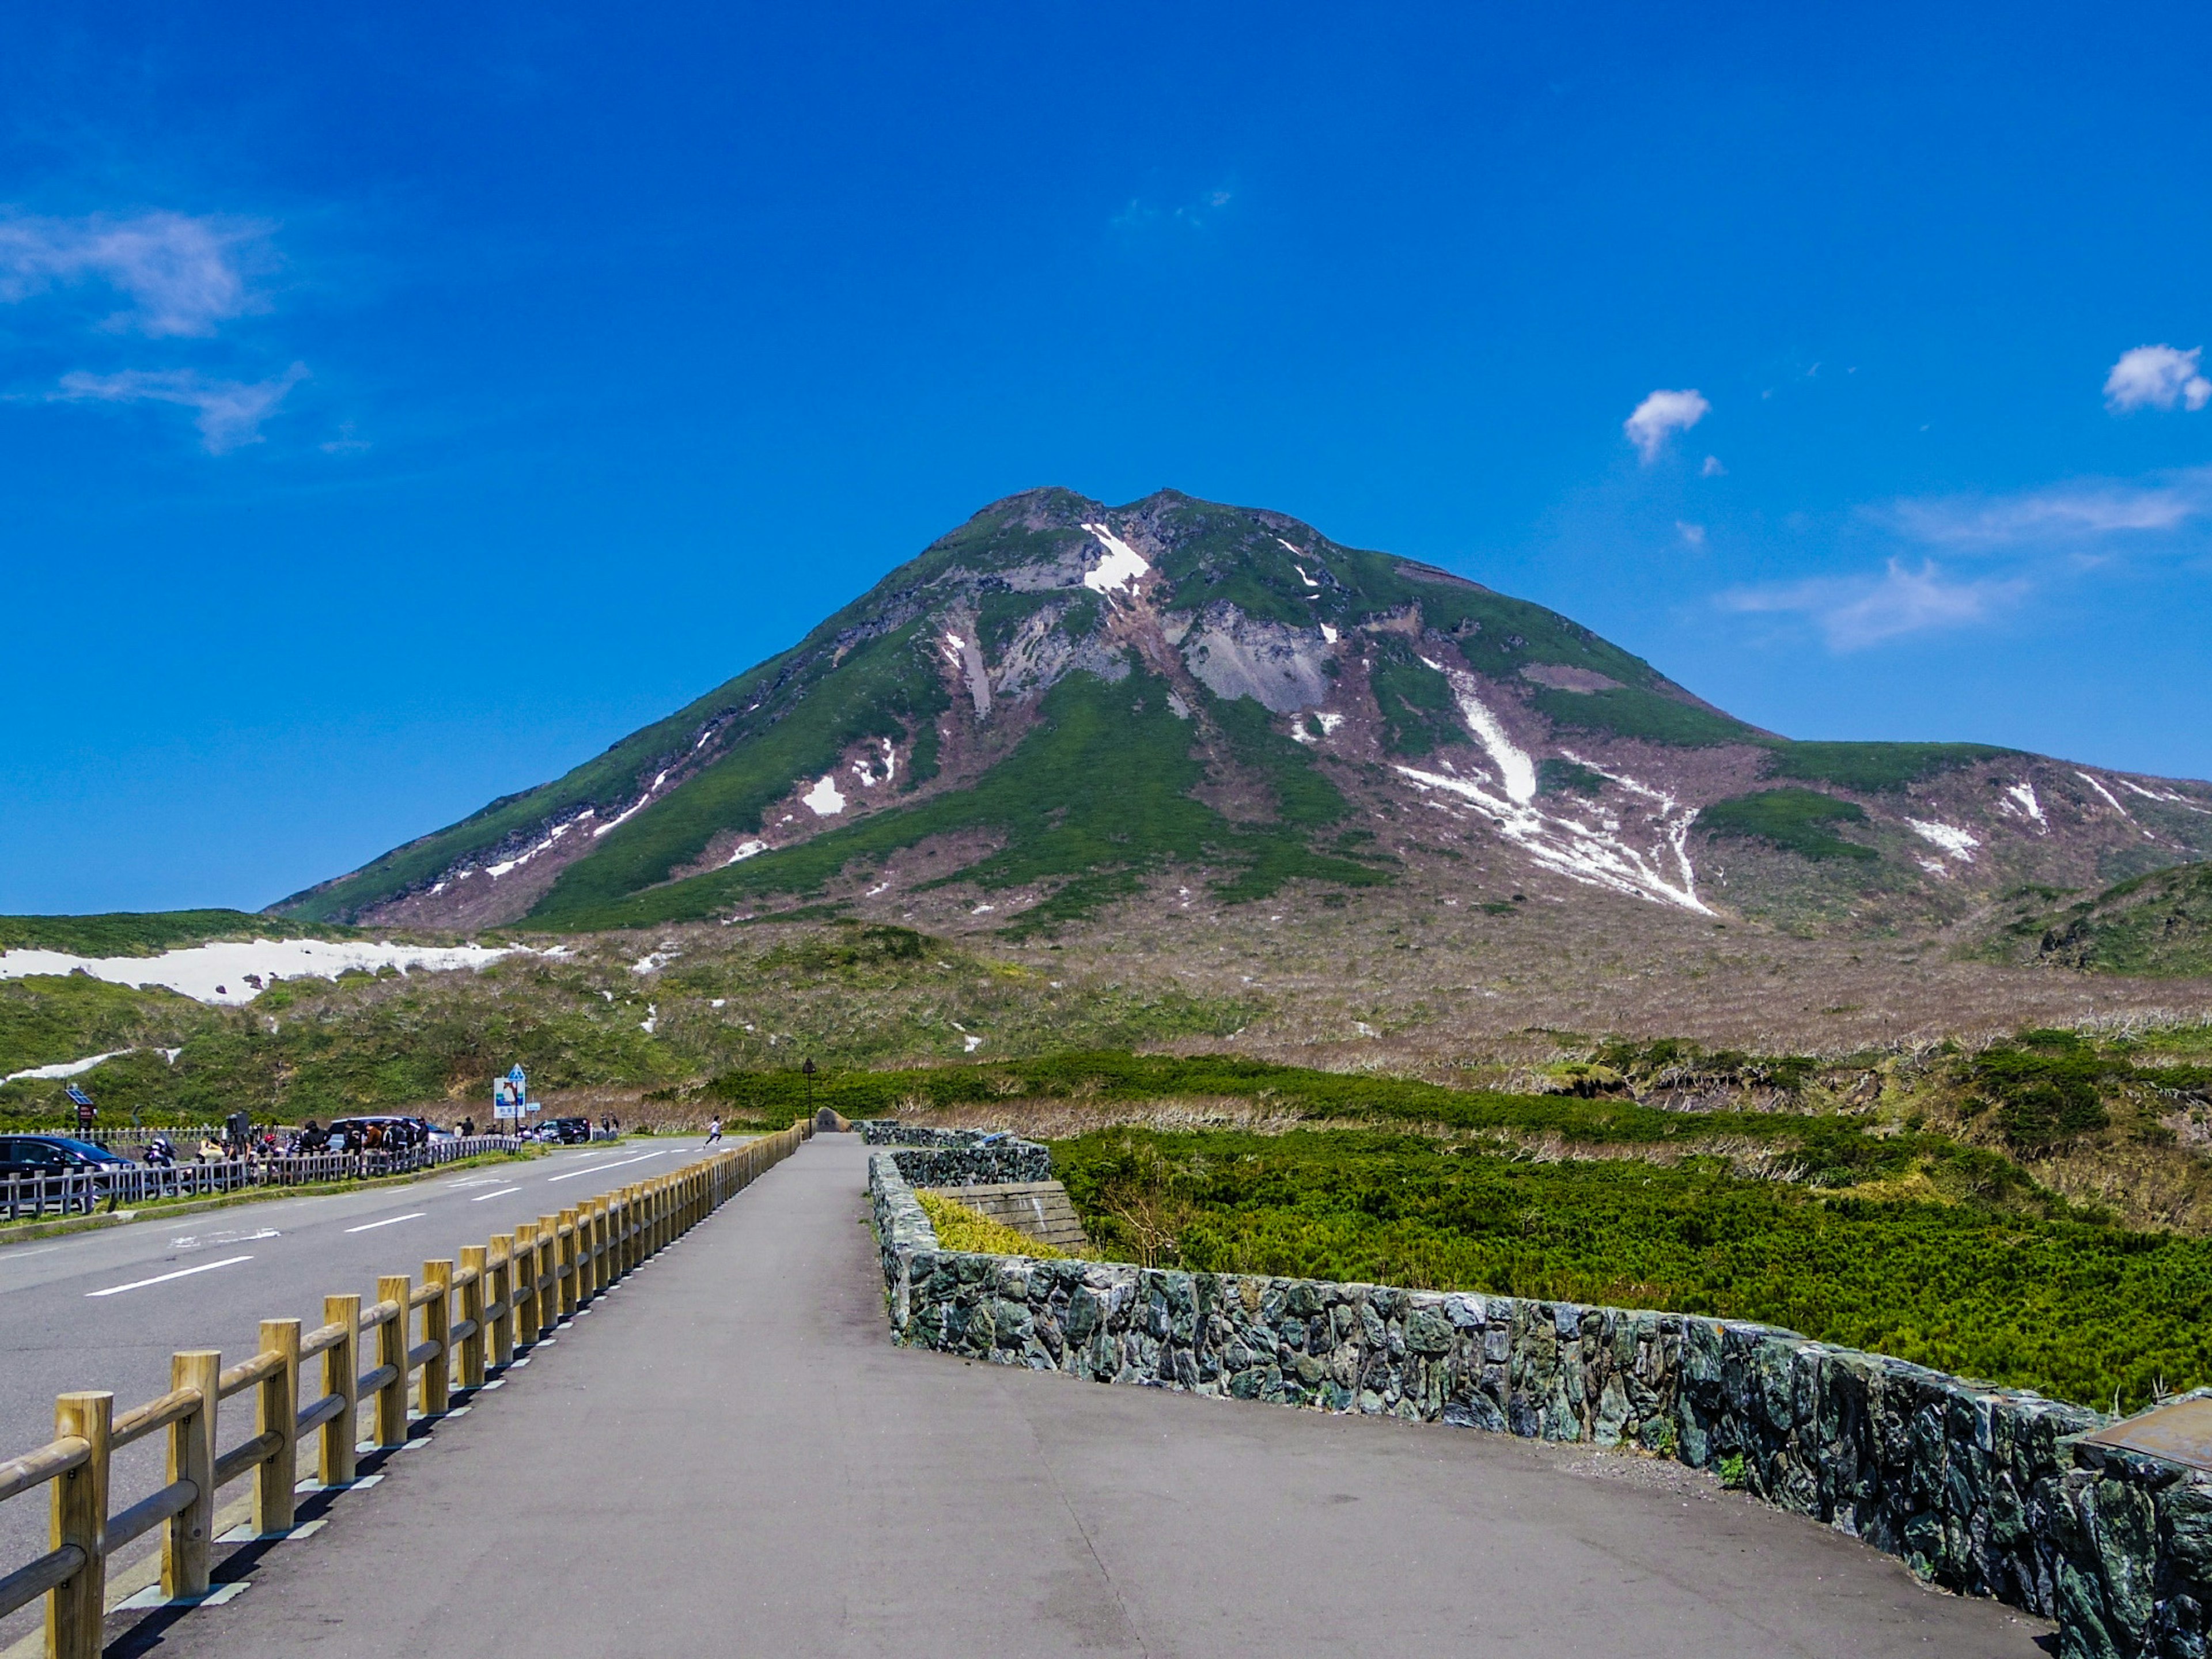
x=44, y=1157
x=571, y=1130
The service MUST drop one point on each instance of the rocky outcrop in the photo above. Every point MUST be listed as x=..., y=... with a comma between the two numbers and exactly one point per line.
x=1281, y=667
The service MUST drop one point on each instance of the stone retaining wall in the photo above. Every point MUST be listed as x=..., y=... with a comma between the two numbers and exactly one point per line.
x=1981, y=1490
x=959, y=1157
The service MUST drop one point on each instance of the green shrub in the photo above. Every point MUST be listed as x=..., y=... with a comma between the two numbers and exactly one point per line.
x=1631, y=712
x=2071, y=1307
x=959, y=1228
x=1556, y=776
x=1795, y=820
x=1872, y=768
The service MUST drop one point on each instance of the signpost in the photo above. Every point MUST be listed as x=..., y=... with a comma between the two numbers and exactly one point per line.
x=510, y=1095
x=86, y=1111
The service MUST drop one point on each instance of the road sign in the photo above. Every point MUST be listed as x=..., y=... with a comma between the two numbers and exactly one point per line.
x=514, y=1076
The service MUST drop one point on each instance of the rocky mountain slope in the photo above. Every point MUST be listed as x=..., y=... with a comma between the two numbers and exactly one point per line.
x=1061, y=705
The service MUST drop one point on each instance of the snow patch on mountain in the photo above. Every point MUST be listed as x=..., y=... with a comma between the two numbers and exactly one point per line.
x=652, y=792
x=2019, y=800
x=66, y=1068
x=1121, y=567
x=745, y=849
x=495, y=871
x=1957, y=843
x=1598, y=853
x=225, y=972
x=864, y=769
x=824, y=799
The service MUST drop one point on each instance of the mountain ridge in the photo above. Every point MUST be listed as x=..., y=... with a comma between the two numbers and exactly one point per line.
x=1059, y=702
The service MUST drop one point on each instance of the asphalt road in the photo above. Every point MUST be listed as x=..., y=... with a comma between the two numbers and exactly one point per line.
x=106, y=1310
x=730, y=1458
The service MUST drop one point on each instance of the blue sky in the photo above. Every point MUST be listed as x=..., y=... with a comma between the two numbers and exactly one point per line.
x=396, y=409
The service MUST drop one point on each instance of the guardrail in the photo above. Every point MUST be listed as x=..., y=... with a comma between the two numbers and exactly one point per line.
x=504, y=1297
x=30, y=1197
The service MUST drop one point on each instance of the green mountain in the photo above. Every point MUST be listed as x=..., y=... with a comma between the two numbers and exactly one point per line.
x=1059, y=703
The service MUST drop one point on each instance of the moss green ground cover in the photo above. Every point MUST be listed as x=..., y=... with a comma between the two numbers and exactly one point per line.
x=1091, y=801
x=2074, y=1308
x=1800, y=821
x=959, y=1228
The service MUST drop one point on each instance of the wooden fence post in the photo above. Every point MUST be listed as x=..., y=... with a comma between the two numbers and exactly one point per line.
x=188, y=1538
x=341, y=1376
x=438, y=1327
x=523, y=1272
x=276, y=1411
x=569, y=1272
x=391, y=1338
x=549, y=1275
x=475, y=1260
x=76, y=1609
x=502, y=1297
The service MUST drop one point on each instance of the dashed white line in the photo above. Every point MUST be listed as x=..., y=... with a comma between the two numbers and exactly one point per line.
x=502, y=1193
x=597, y=1168
x=389, y=1221
x=163, y=1279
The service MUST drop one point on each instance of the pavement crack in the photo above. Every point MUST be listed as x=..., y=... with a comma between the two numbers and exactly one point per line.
x=1120, y=1601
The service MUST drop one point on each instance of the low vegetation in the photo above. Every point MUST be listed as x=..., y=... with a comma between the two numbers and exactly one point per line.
x=959, y=1228
x=1632, y=712
x=1800, y=821
x=846, y=996
x=147, y=932
x=1875, y=768
x=2035, y=1295
x=1089, y=803
x=2160, y=923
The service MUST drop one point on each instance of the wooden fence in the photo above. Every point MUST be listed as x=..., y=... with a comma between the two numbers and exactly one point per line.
x=504, y=1296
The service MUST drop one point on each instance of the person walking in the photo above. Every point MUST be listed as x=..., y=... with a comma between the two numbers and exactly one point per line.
x=714, y=1132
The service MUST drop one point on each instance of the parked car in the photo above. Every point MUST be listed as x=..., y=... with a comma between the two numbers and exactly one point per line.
x=399, y=1132
x=24, y=1157
x=570, y=1131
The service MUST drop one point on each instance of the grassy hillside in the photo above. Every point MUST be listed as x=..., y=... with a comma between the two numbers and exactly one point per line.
x=1093, y=799
x=845, y=996
x=2155, y=924
x=147, y=933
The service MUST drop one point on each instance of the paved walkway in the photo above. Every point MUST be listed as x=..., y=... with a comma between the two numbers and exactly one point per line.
x=729, y=1458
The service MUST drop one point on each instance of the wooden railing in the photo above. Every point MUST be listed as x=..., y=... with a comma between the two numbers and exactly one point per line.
x=505, y=1296
x=29, y=1197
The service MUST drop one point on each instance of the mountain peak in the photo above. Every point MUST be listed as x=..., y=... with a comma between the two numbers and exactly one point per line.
x=1059, y=702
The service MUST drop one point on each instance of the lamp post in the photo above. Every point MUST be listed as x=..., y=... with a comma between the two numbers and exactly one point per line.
x=807, y=1070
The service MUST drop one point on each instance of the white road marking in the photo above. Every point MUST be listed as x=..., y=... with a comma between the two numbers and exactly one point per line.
x=163, y=1279
x=502, y=1193
x=17, y=1255
x=389, y=1221
x=194, y=1242
x=597, y=1168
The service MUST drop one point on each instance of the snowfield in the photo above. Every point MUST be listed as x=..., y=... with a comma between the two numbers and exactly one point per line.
x=217, y=972
x=1121, y=567
x=1597, y=853
x=1959, y=843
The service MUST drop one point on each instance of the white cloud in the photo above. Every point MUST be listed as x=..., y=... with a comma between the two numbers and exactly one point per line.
x=228, y=413
x=1712, y=468
x=2157, y=377
x=2064, y=513
x=183, y=275
x=1660, y=414
x=1693, y=534
x=1853, y=612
